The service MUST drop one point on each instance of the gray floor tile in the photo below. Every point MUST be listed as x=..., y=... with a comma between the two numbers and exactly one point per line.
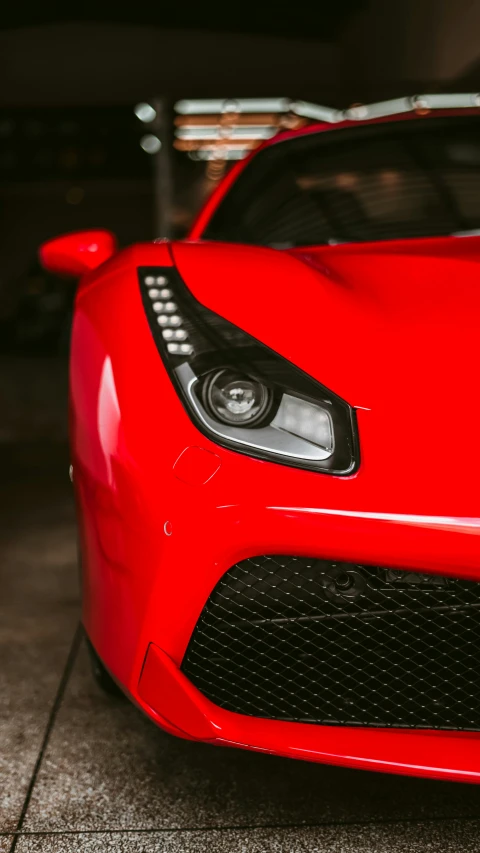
x=38, y=615
x=455, y=837
x=107, y=767
x=5, y=843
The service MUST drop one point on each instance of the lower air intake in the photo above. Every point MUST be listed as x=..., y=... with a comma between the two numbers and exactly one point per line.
x=289, y=638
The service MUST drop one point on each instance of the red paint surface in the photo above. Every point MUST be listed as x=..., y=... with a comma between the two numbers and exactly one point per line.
x=196, y=466
x=165, y=689
x=77, y=253
x=390, y=327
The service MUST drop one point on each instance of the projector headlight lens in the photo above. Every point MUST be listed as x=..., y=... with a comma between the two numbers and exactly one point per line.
x=233, y=398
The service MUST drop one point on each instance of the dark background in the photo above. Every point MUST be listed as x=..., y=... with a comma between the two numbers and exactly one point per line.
x=70, y=156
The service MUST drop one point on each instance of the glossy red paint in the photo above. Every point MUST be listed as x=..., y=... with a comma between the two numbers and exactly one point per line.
x=196, y=466
x=75, y=254
x=382, y=326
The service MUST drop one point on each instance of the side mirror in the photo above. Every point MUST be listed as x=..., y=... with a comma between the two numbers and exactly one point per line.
x=75, y=254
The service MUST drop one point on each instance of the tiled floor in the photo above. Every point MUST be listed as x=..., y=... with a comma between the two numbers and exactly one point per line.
x=83, y=772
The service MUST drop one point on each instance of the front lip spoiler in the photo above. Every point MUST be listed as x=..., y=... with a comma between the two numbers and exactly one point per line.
x=165, y=693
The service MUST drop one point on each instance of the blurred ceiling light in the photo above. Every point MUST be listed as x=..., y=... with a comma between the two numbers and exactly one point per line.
x=357, y=111
x=237, y=106
x=229, y=128
x=418, y=103
x=262, y=119
x=218, y=105
x=315, y=111
x=150, y=143
x=219, y=132
x=145, y=112
x=207, y=154
x=213, y=145
x=319, y=112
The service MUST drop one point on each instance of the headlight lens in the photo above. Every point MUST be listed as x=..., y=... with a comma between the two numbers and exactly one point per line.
x=240, y=393
x=311, y=422
x=233, y=398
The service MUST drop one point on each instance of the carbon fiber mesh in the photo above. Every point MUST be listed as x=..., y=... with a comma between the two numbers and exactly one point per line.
x=341, y=644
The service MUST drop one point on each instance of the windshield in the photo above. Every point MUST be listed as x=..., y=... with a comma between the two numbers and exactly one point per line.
x=416, y=178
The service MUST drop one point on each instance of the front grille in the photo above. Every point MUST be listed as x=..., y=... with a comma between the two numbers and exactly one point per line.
x=290, y=638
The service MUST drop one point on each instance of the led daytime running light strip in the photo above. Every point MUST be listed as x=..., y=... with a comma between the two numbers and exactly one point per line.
x=170, y=321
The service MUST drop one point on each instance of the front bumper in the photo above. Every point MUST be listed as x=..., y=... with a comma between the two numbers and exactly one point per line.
x=164, y=513
x=176, y=705
x=148, y=575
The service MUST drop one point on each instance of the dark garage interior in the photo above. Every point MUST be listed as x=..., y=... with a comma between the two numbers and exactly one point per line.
x=81, y=770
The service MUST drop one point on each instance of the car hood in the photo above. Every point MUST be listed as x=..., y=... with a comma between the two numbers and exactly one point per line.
x=398, y=318
x=393, y=328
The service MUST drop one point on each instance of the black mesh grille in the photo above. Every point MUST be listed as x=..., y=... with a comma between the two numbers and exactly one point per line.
x=335, y=643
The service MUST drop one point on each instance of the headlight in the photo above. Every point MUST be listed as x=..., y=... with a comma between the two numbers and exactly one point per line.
x=239, y=392
x=233, y=398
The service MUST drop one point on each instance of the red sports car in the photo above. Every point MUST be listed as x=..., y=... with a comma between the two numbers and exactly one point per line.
x=274, y=449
